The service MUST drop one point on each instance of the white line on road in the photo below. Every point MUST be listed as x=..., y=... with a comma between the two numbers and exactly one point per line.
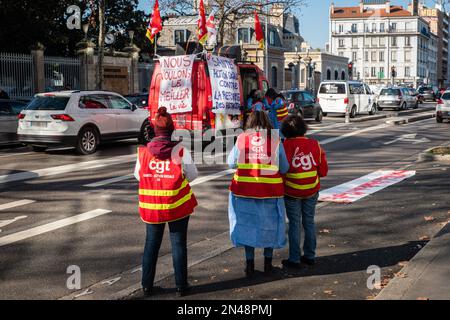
x=353, y=133
x=16, y=154
x=212, y=177
x=109, y=181
x=334, y=126
x=22, y=235
x=15, y=204
x=67, y=168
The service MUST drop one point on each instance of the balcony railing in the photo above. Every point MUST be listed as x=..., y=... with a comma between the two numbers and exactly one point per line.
x=370, y=32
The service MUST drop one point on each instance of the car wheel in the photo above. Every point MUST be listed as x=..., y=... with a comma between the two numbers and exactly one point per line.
x=404, y=106
x=319, y=116
x=416, y=106
x=39, y=148
x=439, y=119
x=353, y=112
x=88, y=141
x=324, y=114
x=373, y=110
x=147, y=133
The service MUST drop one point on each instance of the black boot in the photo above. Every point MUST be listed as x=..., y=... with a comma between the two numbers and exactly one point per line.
x=250, y=268
x=268, y=268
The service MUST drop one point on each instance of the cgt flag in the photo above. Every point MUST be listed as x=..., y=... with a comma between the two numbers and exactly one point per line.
x=155, y=25
x=258, y=32
x=212, y=31
x=202, y=31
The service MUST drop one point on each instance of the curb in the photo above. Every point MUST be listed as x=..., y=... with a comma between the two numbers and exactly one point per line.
x=394, y=115
x=398, y=121
x=427, y=156
x=398, y=287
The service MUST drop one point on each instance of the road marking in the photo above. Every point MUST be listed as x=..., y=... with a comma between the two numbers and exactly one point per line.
x=408, y=138
x=354, y=133
x=334, y=126
x=17, y=154
x=15, y=204
x=4, y=223
x=109, y=181
x=67, y=168
x=212, y=177
x=22, y=235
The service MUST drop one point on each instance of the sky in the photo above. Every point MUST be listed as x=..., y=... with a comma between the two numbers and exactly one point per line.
x=313, y=18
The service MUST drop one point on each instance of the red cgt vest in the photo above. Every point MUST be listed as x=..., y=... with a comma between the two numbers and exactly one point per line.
x=282, y=112
x=257, y=175
x=164, y=193
x=304, y=155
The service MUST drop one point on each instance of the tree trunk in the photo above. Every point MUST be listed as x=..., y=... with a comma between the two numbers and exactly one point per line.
x=101, y=43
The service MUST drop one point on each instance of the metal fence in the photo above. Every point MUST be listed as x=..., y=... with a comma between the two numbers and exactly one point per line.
x=145, y=71
x=16, y=75
x=61, y=73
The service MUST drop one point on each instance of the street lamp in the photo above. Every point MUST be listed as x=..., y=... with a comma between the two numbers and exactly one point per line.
x=85, y=30
x=308, y=61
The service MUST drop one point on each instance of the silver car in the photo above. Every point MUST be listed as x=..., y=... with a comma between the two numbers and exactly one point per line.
x=9, y=109
x=396, y=98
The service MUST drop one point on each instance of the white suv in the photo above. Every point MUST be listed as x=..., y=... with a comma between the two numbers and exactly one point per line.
x=81, y=119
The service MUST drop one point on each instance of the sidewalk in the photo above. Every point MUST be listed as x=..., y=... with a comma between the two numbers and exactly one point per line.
x=427, y=276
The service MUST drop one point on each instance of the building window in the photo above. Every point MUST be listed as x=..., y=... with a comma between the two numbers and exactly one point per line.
x=341, y=53
x=407, y=72
x=374, y=42
x=408, y=56
x=366, y=56
x=382, y=41
x=394, y=41
x=328, y=74
x=408, y=41
x=336, y=75
x=354, y=28
x=341, y=28
x=303, y=76
x=381, y=73
x=343, y=75
x=374, y=27
x=381, y=56
x=181, y=36
x=374, y=56
x=355, y=42
x=274, y=39
x=366, y=27
x=341, y=43
x=244, y=35
x=355, y=56
x=381, y=27
x=394, y=26
x=394, y=55
x=373, y=72
x=274, y=76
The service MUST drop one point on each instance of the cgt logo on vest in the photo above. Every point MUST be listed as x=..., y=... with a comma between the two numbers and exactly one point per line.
x=301, y=160
x=159, y=166
x=258, y=144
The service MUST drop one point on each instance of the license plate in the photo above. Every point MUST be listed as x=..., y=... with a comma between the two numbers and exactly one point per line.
x=39, y=124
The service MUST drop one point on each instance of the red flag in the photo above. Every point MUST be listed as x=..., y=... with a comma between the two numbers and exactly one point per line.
x=259, y=32
x=155, y=25
x=201, y=23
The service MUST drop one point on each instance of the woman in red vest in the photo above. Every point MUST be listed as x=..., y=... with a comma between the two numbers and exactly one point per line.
x=256, y=205
x=308, y=164
x=164, y=169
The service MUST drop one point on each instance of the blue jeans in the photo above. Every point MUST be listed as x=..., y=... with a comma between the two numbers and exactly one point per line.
x=178, y=239
x=300, y=212
x=250, y=253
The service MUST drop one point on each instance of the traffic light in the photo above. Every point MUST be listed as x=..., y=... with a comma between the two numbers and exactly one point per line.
x=350, y=70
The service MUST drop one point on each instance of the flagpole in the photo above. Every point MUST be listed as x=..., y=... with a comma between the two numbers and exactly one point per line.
x=267, y=43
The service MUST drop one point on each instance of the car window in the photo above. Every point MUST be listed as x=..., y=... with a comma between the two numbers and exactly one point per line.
x=307, y=97
x=48, y=103
x=93, y=102
x=140, y=101
x=18, y=107
x=390, y=92
x=6, y=109
x=368, y=90
x=332, y=88
x=119, y=103
x=356, y=88
x=446, y=96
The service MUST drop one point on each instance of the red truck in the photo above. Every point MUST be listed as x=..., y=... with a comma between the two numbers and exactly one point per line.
x=201, y=117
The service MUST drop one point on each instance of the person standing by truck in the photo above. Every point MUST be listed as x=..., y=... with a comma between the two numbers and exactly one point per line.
x=308, y=164
x=277, y=107
x=164, y=170
x=256, y=206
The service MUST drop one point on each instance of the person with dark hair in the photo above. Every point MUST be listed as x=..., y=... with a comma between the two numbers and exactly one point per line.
x=277, y=107
x=256, y=207
x=308, y=164
x=164, y=170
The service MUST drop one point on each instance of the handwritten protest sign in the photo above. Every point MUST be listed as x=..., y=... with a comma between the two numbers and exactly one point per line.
x=175, y=91
x=225, y=85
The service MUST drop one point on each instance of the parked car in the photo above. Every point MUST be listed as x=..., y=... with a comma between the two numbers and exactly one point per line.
x=397, y=98
x=413, y=92
x=304, y=104
x=428, y=93
x=336, y=96
x=443, y=107
x=81, y=119
x=9, y=109
x=139, y=99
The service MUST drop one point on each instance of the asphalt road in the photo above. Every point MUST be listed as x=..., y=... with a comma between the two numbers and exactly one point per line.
x=58, y=209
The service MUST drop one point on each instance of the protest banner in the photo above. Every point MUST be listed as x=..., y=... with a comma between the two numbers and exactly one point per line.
x=226, y=93
x=175, y=91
